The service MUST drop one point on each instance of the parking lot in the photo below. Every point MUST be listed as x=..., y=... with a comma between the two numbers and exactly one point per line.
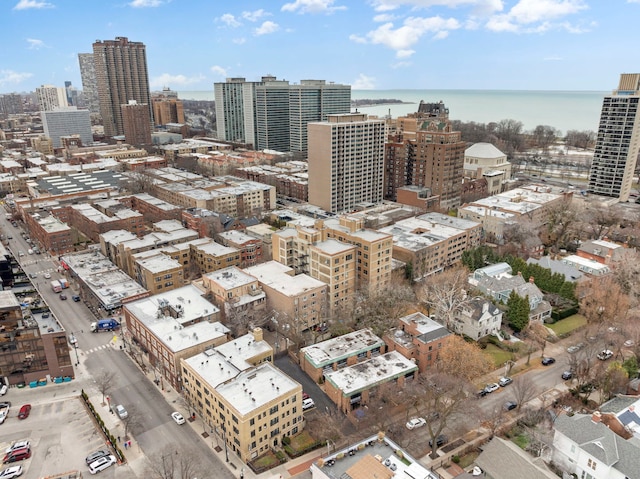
x=60, y=430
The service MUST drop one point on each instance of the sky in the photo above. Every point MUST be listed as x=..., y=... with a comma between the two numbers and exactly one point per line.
x=369, y=44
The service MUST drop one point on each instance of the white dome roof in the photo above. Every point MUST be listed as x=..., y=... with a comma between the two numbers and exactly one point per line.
x=483, y=150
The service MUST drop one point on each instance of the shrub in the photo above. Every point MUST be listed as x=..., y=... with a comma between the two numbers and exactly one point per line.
x=456, y=459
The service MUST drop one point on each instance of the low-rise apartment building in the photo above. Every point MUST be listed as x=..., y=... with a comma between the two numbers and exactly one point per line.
x=250, y=248
x=337, y=353
x=158, y=272
x=431, y=242
x=419, y=338
x=300, y=300
x=172, y=326
x=239, y=296
x=238, y=392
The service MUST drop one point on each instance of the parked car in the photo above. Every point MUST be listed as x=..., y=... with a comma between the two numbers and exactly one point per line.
x=177, y=417
x=308, y=404
x=46, y=314
x=121, y=411
x=33, y=275
x=505, y=381
x=509, y=405
x=94, y=456
x=18, y=445
x=415, y=422
x=567, y=375
x=24, y=411
x=20, y=253
x=605, y=354
x=305, y=395
x=548, y=361
x=63, y=297
x=482, y=393
x=101, y=464
x=75, y=298
x=629, y=343
x=47, y=275
x=573, y=349
x=489, y=388
x=11, y=472
x=3, y=389
x=440, y=440
x=17, y=455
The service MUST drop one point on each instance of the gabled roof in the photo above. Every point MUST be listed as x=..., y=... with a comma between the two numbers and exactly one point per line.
x=502, y=459
x=600, y=442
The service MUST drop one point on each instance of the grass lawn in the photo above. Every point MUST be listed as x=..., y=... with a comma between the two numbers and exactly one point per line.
x=267, y=461
x=468, y=459
x=521, y=440
x=302, y=441
x=567, y=325
x=497, y=355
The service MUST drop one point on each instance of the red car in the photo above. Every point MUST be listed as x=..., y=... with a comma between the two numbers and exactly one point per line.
x=24, y=411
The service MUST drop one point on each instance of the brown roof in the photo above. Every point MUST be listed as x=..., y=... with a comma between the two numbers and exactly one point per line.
x=369, y=467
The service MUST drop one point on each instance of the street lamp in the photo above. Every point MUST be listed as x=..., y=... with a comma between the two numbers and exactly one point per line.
x=224, y=439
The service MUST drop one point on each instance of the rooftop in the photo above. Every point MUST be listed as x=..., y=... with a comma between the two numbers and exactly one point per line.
x=341, y=347
x=276, y=276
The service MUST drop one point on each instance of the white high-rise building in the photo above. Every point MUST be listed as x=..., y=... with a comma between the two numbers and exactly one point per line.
x=66, y=122
x=618, y=141
x=273, y=114
x=346, y=162
x=89, y=82
x=51, y=97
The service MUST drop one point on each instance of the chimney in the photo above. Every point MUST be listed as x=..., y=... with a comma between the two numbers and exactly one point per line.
x=531, y=279
x=596, y=417
x=257, y=334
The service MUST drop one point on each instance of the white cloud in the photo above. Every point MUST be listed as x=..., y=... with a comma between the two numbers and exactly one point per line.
x=312, y=6
x=27, y=4
x=218, y=70
x=534, y=16
x=384, y=17
x=35, y=44
x=363, y=82
x=404, y=37
x=397, y=65
x=478, y=7
x=404, y=53
x=166, y=79
x=229, y=20
x=239, y=41
x=553, y=58
x=266, y=28
x=255, y=15
x=9, y=77
x=145, y=3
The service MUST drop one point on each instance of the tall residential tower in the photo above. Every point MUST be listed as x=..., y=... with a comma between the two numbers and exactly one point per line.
x=89, y=83
x=618, y=141
x=273, y=114
x=346, y=162
x=121, y=75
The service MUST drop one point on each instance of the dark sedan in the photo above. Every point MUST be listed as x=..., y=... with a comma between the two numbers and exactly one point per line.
x=548, y=361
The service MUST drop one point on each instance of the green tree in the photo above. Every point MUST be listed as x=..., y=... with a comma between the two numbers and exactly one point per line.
x=518, y=312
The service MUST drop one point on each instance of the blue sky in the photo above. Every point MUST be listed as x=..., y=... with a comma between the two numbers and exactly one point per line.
x=370, y=44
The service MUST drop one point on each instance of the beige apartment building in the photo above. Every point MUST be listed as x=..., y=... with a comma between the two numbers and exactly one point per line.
x=157, y=272
x=238, y=393
x=300, y=300
x=346, y=162
x=373, y=249
x=238, y=295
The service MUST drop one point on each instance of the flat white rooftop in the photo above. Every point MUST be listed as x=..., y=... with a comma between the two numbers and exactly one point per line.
x=335, y=349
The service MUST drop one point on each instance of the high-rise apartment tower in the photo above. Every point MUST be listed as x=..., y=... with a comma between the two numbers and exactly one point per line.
x=273, y=114
x=121, y=75
x=51, y=97
x=618, y=141
x=89, y=82
x=346, y=162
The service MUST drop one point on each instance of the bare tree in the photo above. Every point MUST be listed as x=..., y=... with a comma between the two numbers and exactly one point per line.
x=613, y=381
x=493, y=419
x=561, y=223
x=440, y=398
x=524, y=390
x=140, y=181
x=104, y=382
x=380, y=309
x=445, y=294
x=601, y=219
x=537, y=333
x=132, y=420
x=603, y=301
x=462, y=360
x=177, y=463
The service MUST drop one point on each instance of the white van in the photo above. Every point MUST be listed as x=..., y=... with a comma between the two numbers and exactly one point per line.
x=308, y=404
x=101, y=464
x=122, y=412
x=30, y=251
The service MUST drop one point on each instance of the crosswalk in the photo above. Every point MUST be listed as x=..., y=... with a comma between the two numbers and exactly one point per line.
x=87, y=352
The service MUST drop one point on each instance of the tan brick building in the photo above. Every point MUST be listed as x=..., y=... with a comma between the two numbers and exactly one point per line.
x=240, y=395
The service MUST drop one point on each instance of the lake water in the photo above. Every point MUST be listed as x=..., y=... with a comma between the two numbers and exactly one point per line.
x=564, y=110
